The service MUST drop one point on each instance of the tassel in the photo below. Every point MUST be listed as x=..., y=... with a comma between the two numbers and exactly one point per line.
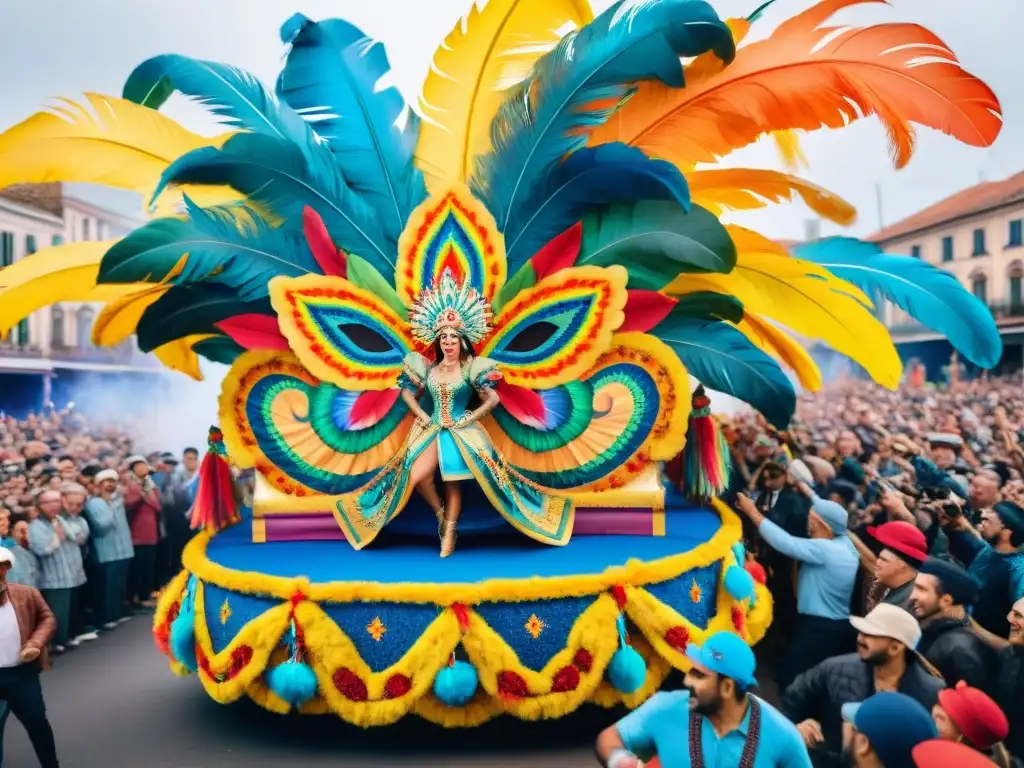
x=706, y=456
x=214, y=508
x=627, y=671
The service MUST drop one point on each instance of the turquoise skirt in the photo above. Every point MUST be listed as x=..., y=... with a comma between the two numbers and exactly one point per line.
x=449, y=458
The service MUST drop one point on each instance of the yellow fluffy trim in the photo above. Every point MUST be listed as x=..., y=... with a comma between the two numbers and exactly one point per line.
x=333, y=656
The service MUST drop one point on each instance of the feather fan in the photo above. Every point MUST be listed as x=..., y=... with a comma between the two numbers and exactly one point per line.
x=331, y=78
x=930, y=295
x=106, y=141
x=579, y=84
x=806, y=76
x=285, y=178
x=488, y=51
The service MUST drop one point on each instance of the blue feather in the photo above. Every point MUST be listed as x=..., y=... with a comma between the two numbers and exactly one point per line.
x=610, y=173
x=242, y=248
x=580, y=84
x=219, y=349
x=930, y=295
x=229, y=92
x=330, y=78
x=281, y=176
x=720, y=357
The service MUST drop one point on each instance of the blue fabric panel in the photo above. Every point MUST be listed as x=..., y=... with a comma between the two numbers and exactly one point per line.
x=510, y=619
x=679, y=594
x=403, y=624
x=242, y=609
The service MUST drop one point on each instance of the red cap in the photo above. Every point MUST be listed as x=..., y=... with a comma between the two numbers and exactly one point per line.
x=902, y=537
x=979, y=718
x=948, y=754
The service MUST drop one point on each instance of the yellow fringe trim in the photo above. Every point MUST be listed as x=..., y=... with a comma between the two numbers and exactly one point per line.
x=328, y=648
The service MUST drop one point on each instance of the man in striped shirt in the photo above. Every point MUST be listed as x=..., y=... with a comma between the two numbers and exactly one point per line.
x=56, y=541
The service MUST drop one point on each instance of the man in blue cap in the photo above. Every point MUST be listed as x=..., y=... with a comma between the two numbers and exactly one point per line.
x=885, y=730
x=714, y=722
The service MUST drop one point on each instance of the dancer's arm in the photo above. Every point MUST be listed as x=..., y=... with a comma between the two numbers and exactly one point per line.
x=490, y=402
x=414, y=405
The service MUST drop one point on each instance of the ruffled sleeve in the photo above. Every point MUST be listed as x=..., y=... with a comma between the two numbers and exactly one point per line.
x=484, y=373
x=414, y=372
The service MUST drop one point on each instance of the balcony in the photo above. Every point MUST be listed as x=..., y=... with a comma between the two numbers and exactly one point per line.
x=1007, y=310
x=125, y=354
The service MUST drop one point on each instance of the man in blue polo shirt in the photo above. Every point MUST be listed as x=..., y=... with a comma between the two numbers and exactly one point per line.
x=715, y=722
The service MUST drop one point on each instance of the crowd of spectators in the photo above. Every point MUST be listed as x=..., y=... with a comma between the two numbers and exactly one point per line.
x=96, y=526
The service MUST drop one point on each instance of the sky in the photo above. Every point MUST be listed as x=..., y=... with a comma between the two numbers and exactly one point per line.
x=57, y=48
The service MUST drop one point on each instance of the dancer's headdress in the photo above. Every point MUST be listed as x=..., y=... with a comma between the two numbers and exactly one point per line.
x=447, y=304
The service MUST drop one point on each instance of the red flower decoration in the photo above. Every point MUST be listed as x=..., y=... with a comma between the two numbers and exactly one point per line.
x=678, y=638
x=756, y=571
x=566, y=679
x=739, y=620
x=397, y=686
x=512, y=685
x=241, y=656
x=350, y=685
x=583, y=660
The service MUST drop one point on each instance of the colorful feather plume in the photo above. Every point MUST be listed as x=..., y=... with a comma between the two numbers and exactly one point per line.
x=215, y=506
x=706, y=455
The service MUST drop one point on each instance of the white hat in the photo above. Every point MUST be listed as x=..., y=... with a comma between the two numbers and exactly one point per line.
x=106, y=474
x=131, y=461
x=890, y=621
x=800, y=471
x=6, y=556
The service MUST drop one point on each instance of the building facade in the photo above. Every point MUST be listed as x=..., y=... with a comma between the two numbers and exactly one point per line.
x=976, y=234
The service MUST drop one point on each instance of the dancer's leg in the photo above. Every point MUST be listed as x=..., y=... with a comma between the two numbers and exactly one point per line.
x=422, y=477
x=453, y=508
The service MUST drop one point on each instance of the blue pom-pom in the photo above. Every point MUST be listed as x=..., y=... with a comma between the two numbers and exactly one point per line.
x=183, y=639
x=293, y=681
x=455, y=685
x=627, y=671
x=740, y=553
x=738, y=583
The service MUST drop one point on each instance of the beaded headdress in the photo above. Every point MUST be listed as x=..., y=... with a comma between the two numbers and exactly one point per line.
x=447, y=304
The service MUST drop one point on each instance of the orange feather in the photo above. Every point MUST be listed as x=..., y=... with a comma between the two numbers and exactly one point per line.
x=744, y=189
x=805, y=76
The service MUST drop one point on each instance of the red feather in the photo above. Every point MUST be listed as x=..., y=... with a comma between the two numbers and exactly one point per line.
x=525, y=405
x=370, y=407
x=559, y=253
x=645, y=309
x=254, y=331
x=330, y=258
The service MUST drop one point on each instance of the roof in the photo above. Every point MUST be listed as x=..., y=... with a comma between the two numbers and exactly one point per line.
x=980, y=197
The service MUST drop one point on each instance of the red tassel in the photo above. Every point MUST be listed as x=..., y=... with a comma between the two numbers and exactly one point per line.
x=705, y=457
x=214, y=508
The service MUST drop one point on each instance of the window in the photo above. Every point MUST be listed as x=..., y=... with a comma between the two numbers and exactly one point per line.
x=947, y=249
x=85, y=229
x=6, y=249
x=30, y=244
x=83, y=327
x=57, y=326
x=979, y=287
x=1015, y=295
x=23, y=334
x=57, y=240
x=915, y=251
x=1016, y=233
x=979, y=243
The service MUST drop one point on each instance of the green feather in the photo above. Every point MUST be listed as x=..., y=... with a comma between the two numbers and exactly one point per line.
x=525, y=278
x=706, y=304
x=362, y=274
x=186, y=310
x=220, y=349
x=322, y=408
x=656, y=241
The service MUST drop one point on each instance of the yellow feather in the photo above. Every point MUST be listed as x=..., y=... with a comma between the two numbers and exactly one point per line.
x=61, y=273
x=487, y=51
x=783, y=347
x=744, y=189
x=792, y=154
x=179, y=356
x=808, y=300
x=109, y=141
x=120, y=317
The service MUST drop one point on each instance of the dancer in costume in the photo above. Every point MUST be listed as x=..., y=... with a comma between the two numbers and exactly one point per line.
x=553, y=179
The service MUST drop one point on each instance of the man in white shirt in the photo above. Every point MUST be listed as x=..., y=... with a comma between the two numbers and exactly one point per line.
x=26, y=626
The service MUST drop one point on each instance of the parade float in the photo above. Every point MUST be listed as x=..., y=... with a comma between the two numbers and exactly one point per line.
x=542, y=214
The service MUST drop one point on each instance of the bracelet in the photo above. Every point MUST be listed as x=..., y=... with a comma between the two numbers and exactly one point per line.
x=617, y=756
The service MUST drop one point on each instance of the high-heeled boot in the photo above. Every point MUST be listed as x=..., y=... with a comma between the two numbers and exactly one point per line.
x=448, y=541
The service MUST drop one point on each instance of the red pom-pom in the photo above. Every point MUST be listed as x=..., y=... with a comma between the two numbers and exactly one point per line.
x=757, y=572
x=739, y=620
x=566, y=679
x=583, y=660
x=397, y=686
x=512, y=685
x=350, y=685
x=678, y=638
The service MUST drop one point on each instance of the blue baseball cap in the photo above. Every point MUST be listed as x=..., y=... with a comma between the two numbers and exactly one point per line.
x=894, y=723
x=727, y=655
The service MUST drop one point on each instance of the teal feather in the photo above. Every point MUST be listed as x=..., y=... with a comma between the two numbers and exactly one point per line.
x=186, y=310
x=932, y=296
x=243, y=249
x=219, y=349
x=656, y=241
x=330, y=78
x=232, y=94
x=285, y=178
x=579, y=85
x=720, y=357
x=610, y=173
x=707, y=305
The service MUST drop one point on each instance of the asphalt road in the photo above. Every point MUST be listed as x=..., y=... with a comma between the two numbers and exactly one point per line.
x=113, y=703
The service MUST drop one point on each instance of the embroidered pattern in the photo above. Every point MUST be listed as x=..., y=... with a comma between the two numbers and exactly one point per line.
x=376, y=629
x=696, y=593
x=225, y=612
x=534, y=626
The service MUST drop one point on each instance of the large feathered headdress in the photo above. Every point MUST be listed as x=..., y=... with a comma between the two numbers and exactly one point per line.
x=447, y=304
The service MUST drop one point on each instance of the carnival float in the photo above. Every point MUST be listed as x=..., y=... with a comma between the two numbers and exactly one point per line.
x=509, y=299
